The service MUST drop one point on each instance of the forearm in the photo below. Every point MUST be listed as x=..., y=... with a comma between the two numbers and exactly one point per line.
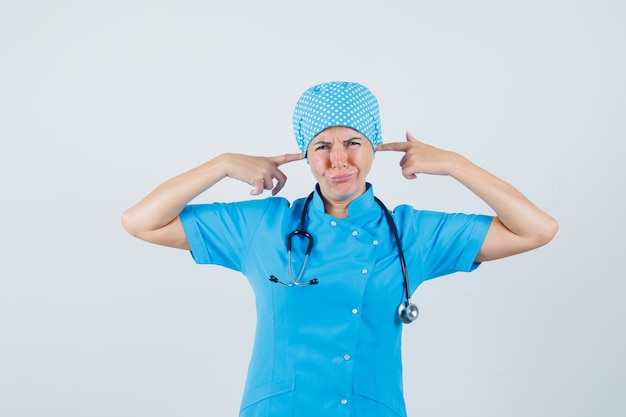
x=155, y=218
x=164, y=204
x=516, y=212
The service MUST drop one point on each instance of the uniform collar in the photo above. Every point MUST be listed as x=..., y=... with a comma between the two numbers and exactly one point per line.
x=357, y=207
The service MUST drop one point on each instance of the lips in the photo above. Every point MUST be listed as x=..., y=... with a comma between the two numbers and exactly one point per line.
x=344, y=176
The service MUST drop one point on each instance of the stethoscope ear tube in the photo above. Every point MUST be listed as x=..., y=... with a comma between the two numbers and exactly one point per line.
x=304, y=234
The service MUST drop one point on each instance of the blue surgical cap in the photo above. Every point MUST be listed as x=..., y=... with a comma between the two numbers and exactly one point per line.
x=337, y=103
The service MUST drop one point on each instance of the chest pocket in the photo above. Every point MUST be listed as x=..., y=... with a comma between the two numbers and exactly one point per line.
x=273, y=399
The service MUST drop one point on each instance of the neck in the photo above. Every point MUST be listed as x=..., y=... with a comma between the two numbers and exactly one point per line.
x=338, y=210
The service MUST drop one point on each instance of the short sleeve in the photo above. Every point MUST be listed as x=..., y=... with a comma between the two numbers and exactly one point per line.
x=220, y=233
x=442, y=243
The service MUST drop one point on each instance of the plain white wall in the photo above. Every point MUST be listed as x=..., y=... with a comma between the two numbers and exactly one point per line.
x=101, y=101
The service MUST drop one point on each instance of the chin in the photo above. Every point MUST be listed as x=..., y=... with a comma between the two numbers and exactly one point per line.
x=344, y=191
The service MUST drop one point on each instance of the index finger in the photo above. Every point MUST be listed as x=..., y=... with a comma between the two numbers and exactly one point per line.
x=394, y=146
x=286, y=158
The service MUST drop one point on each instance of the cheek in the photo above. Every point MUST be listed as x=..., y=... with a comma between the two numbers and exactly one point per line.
x=317, y=166
x=364, y=161
x=319, y=162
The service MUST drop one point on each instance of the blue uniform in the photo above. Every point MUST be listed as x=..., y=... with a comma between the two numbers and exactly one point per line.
x=331, y=349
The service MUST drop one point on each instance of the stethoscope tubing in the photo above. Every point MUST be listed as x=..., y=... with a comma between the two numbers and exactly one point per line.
x=407, y=311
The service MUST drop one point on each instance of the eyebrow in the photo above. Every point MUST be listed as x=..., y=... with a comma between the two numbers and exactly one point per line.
x=325, y=142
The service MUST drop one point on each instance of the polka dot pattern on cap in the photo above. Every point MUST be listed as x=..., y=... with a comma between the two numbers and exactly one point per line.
x=337, y=103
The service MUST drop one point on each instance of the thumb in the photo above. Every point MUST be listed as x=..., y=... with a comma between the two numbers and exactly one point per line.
x=410, y=137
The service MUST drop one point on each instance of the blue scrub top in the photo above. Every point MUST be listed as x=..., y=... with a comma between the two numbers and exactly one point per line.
x=331, y=349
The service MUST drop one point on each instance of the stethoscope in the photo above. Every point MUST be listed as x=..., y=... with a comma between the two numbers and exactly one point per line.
x=407, y=311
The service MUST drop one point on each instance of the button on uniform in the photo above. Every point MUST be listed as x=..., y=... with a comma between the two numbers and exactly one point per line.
x=363, y=262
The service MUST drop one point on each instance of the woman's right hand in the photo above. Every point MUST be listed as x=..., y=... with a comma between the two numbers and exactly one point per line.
x=258, y=171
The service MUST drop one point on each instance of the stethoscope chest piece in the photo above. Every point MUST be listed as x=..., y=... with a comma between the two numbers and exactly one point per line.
x=408, y=312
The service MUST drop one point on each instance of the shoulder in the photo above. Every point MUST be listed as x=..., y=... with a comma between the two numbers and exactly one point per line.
x=242, y=212
x=262, y=204
x=406, y=212
x=429, y=219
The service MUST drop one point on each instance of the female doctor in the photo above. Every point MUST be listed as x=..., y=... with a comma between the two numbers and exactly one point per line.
x=332, y=273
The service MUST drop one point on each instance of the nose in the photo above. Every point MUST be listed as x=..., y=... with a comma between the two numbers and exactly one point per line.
x=339, y=157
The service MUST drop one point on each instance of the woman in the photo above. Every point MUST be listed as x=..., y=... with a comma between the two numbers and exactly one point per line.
x=330, y=309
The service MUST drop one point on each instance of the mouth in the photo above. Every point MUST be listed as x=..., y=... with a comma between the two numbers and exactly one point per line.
x=341, y=177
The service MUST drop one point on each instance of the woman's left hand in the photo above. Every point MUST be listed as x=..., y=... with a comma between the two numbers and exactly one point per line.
x=420, y=158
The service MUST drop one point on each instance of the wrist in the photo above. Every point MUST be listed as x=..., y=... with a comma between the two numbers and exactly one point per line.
x=457, y=163
x=222, y=165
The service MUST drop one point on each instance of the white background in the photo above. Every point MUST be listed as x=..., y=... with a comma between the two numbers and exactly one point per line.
x=102, y=101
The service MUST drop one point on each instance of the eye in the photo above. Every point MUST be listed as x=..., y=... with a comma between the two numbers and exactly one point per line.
x=321, y=147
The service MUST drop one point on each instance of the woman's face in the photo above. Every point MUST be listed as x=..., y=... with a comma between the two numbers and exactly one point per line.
x=340, y=159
